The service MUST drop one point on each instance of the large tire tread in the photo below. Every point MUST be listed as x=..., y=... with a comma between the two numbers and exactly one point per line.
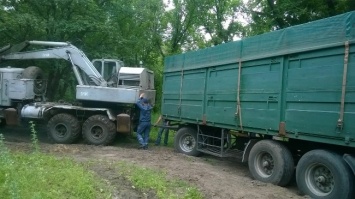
x=105, y=123
x=71, y=122
x=342, y=175
x=283, y=162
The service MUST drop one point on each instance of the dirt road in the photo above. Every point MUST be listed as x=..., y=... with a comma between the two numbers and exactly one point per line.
x=214, y=177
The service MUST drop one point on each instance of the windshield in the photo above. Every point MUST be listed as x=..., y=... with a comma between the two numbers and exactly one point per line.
x=106, y=68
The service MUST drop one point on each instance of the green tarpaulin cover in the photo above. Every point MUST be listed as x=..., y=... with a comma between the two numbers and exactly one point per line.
x=333, y=31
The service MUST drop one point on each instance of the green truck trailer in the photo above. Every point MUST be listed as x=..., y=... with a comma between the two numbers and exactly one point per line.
x=283, y=101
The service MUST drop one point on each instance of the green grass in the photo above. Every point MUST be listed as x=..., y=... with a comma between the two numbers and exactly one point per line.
x=42, y=176
x=37, y=175
x=151, y=180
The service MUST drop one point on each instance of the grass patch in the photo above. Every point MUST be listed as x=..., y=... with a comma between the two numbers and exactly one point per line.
x=37, y=175
x=147, y=179
x=42, y=176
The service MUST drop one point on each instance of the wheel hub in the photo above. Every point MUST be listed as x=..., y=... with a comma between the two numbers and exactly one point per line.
x=265, y=164
x=61, y=130
x=323, y=179
x=97, y=132
x=187, y=143
x=319, y=179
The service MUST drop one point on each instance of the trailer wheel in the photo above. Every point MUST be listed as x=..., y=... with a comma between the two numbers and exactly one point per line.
x=186, y=141
x=271, y=162
x=34, y=72
x=324, y=174
x=99, y=130
x=63, y=128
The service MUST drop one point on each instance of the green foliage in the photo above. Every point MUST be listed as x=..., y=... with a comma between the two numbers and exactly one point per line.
x=220, y=19
x=179, y=25
x=146, y=179
x=133, y=29
x=37, y=175
x=53, y=20
x=34, y=138
x=3, y=150
x=269, y=15
x=145, y=30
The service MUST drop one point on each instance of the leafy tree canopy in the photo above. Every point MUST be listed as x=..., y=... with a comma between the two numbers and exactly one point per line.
x=147, y=30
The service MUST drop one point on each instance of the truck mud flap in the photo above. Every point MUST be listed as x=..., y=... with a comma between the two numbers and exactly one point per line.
x=350, y=159
x=123, y=123
x=11, y=116
x=247, y=149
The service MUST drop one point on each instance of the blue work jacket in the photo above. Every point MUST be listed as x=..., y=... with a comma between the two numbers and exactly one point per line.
x=145, y=113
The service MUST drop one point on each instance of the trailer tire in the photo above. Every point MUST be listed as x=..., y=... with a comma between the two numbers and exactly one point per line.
x=99, y=130
x=270, y=161
x=324, y=174
x=186, y=141
x=64, y=128
x=34, y=72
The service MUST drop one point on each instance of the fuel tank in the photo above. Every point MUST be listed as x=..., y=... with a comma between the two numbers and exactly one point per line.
x=32, y=111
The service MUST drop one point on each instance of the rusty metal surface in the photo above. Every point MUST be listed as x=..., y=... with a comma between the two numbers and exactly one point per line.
x=123, y=123
x=204, y=119
x=282, y=129
x=11, y=116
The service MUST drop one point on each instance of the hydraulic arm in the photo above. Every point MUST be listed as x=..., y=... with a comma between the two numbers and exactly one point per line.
x=84, y=70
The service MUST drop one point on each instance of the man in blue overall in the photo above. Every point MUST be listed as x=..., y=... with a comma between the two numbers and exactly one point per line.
x=144, y=125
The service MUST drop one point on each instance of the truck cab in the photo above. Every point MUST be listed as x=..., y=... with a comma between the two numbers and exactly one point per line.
x=107, y=67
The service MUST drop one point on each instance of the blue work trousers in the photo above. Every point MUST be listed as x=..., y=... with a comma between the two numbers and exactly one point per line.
x=143, y=131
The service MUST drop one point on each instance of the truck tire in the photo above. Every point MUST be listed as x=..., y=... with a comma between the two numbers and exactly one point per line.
x=324, y=174
x=186, y=141
x=34, y=72
x=63, y=128
x=270, y=161
x=99, y=130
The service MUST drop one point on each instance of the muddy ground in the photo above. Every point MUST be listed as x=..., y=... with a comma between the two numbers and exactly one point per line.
x=214, y=177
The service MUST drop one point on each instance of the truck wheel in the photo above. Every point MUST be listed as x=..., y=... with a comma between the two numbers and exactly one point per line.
x=63, y=128
x=34, y=72
x=99, y=130
x=324, y=174
x=271, y=162
x=186, y=141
